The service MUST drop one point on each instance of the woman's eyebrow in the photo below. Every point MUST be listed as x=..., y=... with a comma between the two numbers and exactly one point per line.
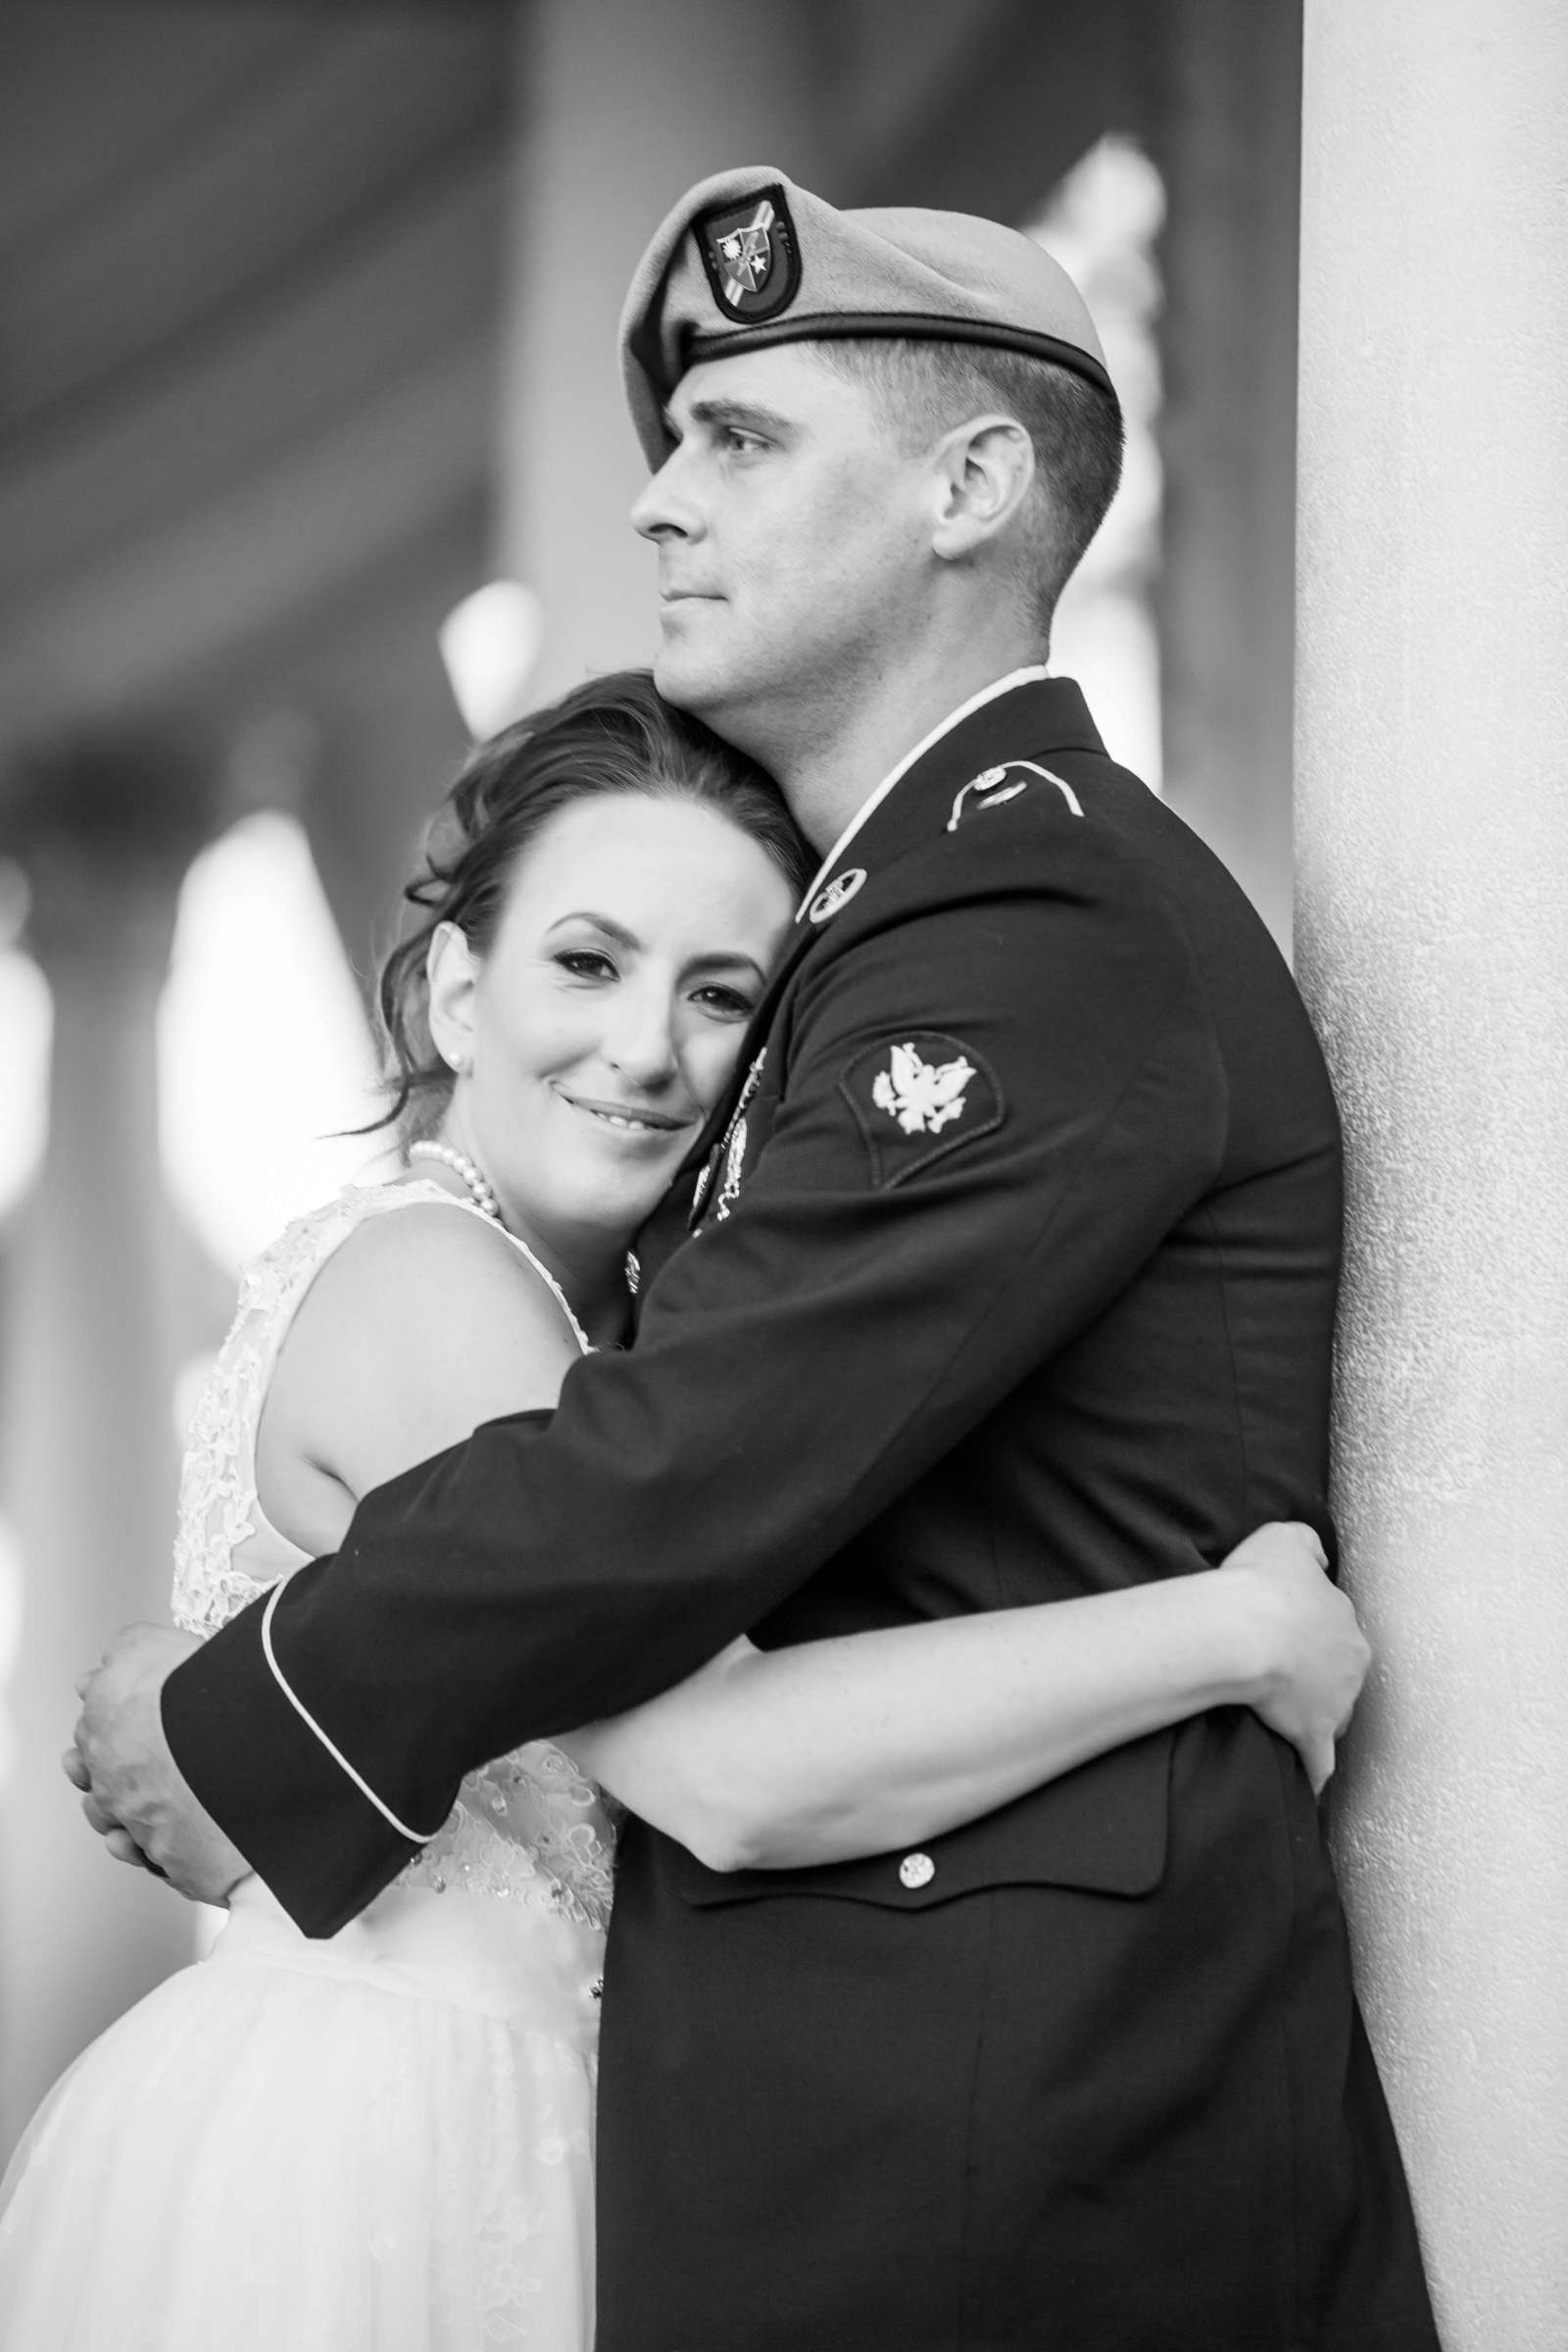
x=716, y=959
x=601, y=922
x=725, y=959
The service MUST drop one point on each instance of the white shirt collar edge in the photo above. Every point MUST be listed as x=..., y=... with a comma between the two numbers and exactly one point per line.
x=988, y=693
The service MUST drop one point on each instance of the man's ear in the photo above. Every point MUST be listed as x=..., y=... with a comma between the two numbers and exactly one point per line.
x=451, y=971
x=984, y=472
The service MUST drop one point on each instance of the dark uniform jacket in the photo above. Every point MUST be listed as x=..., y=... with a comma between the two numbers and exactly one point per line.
x=1012, y=1278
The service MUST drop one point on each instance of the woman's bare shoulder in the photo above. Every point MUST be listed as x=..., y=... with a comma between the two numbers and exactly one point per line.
x=423, y=1323
x=434, y=1273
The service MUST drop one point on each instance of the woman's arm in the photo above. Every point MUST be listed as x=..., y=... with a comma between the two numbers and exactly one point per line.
x=837, y=1748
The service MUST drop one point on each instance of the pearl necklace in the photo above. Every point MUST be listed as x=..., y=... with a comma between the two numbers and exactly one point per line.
x=480, y=1190
x=481, y=1193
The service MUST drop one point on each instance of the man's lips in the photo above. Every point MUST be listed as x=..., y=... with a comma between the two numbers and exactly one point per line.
x=625, y=1119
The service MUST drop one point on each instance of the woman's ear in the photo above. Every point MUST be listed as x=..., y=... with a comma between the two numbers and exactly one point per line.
x=985, y=471
x=452, y=973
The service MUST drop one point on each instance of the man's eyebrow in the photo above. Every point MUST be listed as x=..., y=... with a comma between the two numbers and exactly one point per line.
x=748, y=415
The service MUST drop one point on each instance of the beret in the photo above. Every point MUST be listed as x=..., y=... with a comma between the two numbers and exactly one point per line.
x=746, y=259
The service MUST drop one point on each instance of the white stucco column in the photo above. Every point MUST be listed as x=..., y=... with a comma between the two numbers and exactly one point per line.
x=1432, y=816
x=621, y=105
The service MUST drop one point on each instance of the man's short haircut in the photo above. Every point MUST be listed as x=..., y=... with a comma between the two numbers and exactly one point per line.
x=923, y=389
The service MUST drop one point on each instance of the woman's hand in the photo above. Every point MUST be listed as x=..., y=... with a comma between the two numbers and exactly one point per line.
x=1312, y=1657
x=134, y=1795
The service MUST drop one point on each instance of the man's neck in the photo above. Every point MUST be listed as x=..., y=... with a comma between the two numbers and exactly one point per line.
x=827, y=776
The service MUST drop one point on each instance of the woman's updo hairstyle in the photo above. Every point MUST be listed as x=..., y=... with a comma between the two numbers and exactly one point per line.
x=613, y=735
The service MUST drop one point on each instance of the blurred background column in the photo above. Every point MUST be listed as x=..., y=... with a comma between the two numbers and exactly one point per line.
x=1227, y=136
x=620, y=108
x=1431, y=811
x=87, y=1377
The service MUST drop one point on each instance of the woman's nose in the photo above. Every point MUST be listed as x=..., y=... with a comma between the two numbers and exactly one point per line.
x=641, y=1041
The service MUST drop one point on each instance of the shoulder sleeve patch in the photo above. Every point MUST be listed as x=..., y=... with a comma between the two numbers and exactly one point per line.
x=917, y=1097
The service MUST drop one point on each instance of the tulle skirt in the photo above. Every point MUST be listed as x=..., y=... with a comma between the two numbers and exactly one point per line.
x=378, y=2144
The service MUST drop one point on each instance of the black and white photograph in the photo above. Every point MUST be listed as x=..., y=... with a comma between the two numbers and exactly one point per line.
x=784, y=1176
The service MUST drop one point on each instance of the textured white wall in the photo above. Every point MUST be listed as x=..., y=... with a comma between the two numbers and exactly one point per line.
x=1432, y=816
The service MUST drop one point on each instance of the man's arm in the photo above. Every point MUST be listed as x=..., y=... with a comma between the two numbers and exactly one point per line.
x=886, y=1276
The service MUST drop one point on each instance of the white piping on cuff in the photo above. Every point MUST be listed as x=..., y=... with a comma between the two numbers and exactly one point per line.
x=414, y=1837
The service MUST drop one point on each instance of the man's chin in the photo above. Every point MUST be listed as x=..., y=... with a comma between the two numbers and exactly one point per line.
x=688, y=683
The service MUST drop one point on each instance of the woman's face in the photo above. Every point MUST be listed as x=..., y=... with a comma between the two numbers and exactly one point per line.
x=601, y=1025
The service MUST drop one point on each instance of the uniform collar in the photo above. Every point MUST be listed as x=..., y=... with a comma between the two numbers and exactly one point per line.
x=1030, y=675
x=1028, y=711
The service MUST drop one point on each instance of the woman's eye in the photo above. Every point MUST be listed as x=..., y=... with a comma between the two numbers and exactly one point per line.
x=730, y=1003
x=586, y=964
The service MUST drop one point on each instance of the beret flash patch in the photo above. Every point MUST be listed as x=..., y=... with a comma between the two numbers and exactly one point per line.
x=750, y=257
x=916, y=1097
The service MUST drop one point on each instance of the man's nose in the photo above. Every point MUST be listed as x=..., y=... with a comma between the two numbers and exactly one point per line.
x=665, y=510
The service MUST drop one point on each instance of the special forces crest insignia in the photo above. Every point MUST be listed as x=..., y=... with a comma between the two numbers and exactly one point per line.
x=750, y=257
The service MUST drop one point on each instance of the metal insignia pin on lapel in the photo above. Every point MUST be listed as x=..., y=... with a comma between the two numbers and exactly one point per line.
x=724, y=1153
x=835, y=894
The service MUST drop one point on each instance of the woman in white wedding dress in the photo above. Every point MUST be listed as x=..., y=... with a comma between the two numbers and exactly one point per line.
x=383, y=2141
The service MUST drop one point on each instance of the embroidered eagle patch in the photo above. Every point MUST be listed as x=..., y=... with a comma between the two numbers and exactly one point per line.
x=921, y=1095
x=916, y=1097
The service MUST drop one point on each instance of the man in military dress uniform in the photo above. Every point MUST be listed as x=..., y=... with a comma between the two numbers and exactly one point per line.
x=1010, y=1275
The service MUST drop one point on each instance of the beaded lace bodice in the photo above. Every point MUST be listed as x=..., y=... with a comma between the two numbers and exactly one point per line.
x=528, y=1828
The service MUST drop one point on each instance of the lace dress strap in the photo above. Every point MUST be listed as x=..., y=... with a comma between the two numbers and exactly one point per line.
x=520, y=1245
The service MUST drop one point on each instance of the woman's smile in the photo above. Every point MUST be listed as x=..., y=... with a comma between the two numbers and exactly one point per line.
x=641, y=1125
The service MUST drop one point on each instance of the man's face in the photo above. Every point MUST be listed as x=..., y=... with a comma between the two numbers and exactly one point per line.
x=794, y=543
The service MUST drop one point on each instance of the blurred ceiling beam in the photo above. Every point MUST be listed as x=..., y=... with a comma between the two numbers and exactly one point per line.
x=329, y=339
x=136, y=624
x=252, y=258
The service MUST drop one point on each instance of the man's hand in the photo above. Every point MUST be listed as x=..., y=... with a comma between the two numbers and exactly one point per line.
x=1313, y=1656
x=134, y=1795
